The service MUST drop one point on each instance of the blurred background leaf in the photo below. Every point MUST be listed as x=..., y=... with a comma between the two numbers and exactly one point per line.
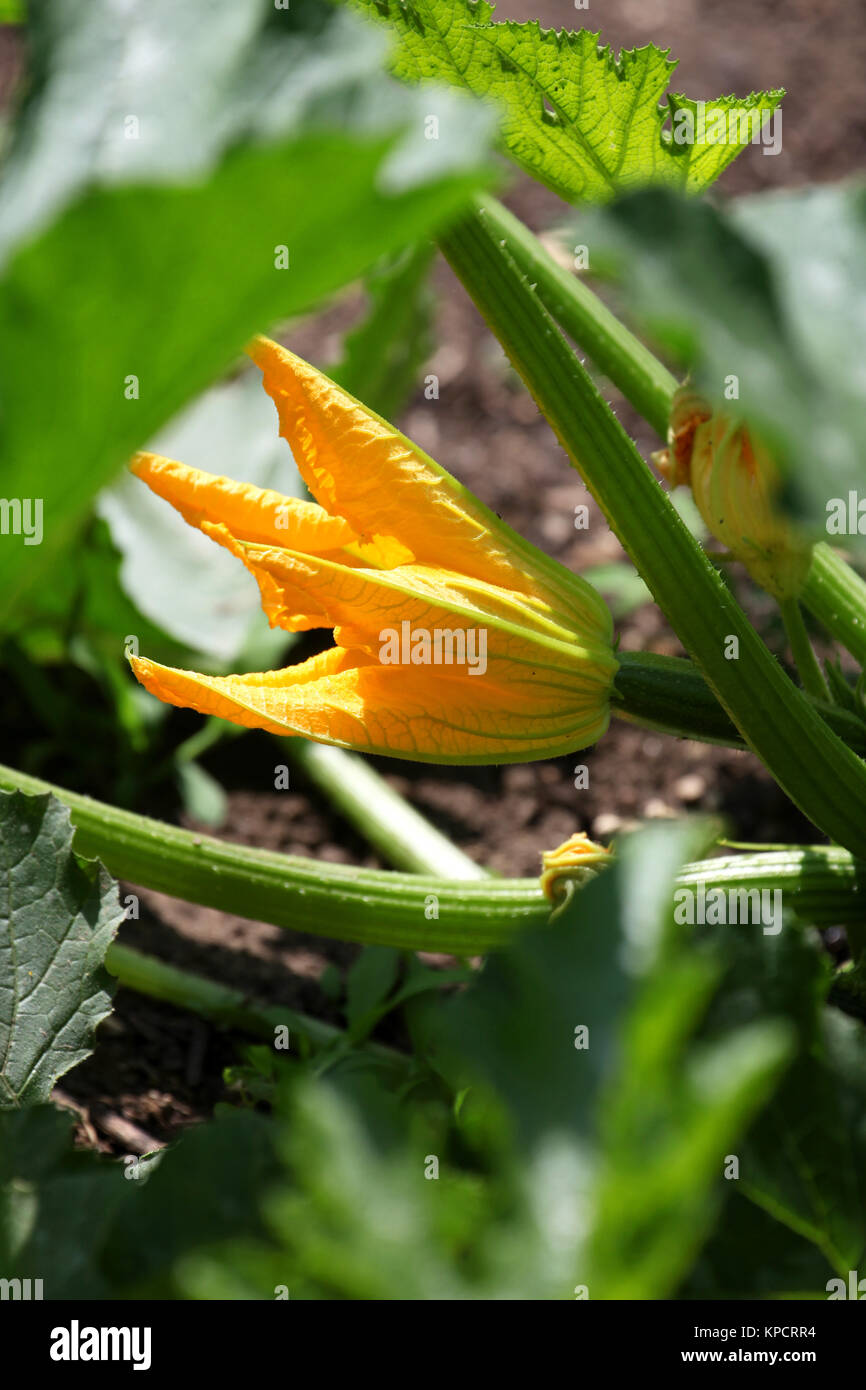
x=383, y=355
x=506, y=1161
x=120, y=240
x=57, y=1205
x=770, y=289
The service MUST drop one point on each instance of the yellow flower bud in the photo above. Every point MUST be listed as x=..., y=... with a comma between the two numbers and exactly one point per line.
x=735, y=483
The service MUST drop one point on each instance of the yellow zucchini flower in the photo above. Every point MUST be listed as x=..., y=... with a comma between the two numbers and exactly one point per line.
x=735, y=483
x=456, y=640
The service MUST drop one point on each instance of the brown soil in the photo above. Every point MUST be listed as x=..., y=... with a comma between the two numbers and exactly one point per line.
x=158, y=1069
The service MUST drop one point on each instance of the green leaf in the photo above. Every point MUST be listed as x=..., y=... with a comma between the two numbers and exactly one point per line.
x=352, y=1218
x=805, y=1160
x=94, y=606
x=620, y=584
x=58, y=915
x=582, y=121
x=134, y=269
x=750, y=1255
x=203, y=797
x=616, y=1176
x=91, y=1227
x=369, y=982
x=383, y=355
x=57, y=1204
x=646, y=1111
x=769, y=290
x=228, y=1164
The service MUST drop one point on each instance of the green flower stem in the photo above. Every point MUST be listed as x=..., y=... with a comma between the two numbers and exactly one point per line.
x=836, y=595
x=801, y=650
x=622, y=357
x=669, y=694
x=401, y=835
x=228, y=1007
x=822, y=885
x=816, y=770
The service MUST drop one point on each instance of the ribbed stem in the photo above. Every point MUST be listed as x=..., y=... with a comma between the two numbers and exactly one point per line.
x=822, y=885
x=349, y=904
x=669, y=694
x=834, y=593
x=622, y=357
x=823, y=777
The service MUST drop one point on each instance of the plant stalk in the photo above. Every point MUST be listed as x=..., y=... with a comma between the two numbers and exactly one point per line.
x=834, y=593
x=220, y=1004
x=623, y=358
x=669, y=695
x=401, y=835
x=816, y=770
x=801, y=649
x=822, y=885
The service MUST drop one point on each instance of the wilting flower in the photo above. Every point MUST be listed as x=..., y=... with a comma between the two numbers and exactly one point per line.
x=573, y=862
x=735, y=483
x=456, y=640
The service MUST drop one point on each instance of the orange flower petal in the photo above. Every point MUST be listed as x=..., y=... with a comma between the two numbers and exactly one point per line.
x=363, y=603
x=248, y=512
x=360, y=467
x=343, y=699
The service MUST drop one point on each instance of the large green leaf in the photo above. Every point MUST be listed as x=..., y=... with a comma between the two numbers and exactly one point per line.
x=642, y=1112
x=89, y=1226
x=157, y=257
x=586, y=123
x=805, y=1160
x=770, y=291
x=751, y=1255
x=56, y=1205
x=58, y=914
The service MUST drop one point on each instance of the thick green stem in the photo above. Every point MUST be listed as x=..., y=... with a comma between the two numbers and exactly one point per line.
x=402, y=836
x=801, y=649
x=836, y=595
x=822, y=885
x=823, y=777
x=622, y=357
x=669, y=694
x=346, y=903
